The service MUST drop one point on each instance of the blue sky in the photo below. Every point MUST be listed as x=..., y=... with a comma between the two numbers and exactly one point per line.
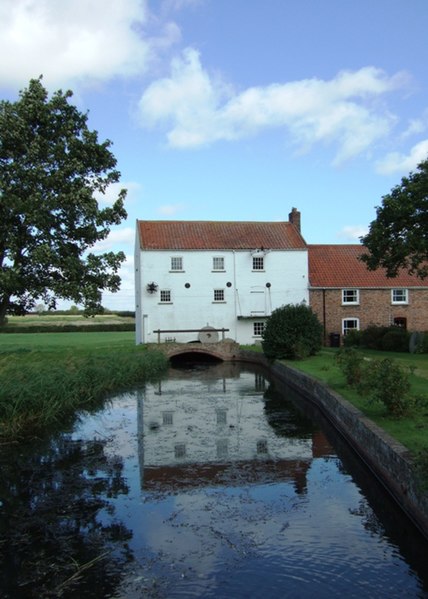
x=236, y=109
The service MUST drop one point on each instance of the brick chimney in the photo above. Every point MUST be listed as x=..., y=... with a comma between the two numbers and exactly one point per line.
x=294, y=218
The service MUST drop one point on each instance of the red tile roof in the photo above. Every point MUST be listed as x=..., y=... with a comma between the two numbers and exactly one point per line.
x=339, y=266
x=214, y=235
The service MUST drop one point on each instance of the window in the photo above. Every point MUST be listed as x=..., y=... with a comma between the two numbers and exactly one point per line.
x=167, y=417
x=218, y=263
x=258, y=263
x=350, y=324
x=259, y=382
x=258, y=328
x=219, y=295
x=176, y=263
x=399, y=296
x=180, y=450
x=165, y=296
x=400, y=321
x=221, y=416
x=350, y=296
x=262, y=446
x=222, y=448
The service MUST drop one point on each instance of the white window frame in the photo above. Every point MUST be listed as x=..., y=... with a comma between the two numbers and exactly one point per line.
x=165, y=296
x=176, y=264
x=218, y=264
x=258, y=328
x=345, y=329
x=258, y=263
x=398, y=291
x=350, y=293
x=219, y=296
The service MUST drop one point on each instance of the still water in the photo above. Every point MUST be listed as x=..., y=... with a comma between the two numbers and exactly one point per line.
x=212, y=483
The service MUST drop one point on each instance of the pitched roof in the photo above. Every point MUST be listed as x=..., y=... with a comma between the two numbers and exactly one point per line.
x=339, y=266
x=215, y=235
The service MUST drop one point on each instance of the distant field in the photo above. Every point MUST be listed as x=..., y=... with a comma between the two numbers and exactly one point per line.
x=61, y=319
x=51, y=341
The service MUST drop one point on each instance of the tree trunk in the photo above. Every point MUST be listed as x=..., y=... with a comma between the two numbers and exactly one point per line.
x=4, y=303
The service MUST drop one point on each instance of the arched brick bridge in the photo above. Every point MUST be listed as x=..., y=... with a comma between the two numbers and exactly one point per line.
x=226, y=350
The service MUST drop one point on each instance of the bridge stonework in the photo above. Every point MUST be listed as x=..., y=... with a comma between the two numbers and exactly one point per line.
x=226, y=350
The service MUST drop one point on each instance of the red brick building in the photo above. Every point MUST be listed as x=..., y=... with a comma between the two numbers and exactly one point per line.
x=345, y=295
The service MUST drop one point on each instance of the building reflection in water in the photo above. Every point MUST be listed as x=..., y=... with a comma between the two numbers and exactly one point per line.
x=213, y=427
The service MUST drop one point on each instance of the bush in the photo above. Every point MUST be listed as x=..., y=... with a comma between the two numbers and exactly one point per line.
x=385, y=381
x=292, y=331
x=395, y=339
x=350, y=362
x=352, y=338
x=371, y=337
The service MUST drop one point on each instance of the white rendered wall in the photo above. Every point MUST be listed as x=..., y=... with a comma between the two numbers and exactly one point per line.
x=246, y=298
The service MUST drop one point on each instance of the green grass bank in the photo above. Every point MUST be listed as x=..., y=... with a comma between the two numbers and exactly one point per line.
x=412, y=429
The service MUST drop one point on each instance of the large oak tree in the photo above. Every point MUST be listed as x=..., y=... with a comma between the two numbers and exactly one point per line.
x=398, y=238
x=52, y=167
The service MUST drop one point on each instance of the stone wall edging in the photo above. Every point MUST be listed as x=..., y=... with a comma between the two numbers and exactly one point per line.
x=388, y=459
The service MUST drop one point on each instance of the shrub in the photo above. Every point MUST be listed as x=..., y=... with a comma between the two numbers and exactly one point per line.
x=395, y=339
x=371, y=337
x=352, y=338
x=292, y=331
x=350, y=362
x=385, y=381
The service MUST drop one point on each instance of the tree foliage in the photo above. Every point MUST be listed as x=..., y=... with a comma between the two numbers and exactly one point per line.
x=51, y=168
x=292, y=331
x=398, y=238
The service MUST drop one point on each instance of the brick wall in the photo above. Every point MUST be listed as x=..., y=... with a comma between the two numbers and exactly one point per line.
x=374, y=308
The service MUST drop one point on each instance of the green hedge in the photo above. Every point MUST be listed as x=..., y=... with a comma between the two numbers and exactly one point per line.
x=68, y=328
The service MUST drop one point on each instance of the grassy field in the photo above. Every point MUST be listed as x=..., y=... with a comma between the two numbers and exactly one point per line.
x=61, y=319
x=74, y=341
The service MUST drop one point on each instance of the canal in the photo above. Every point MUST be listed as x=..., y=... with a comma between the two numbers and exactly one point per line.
x=208, y=484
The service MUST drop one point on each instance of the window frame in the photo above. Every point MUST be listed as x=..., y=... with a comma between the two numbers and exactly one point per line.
x=162, y=299
x=396, y=291
x=346, y=330
x=218, y=292
x=175, y=262
x=216, y=268
x=260, y=325
x=351, y=302
x=258, y=263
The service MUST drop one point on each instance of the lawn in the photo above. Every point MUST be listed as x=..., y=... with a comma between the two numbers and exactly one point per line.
x=412, y=429
x=72, y=341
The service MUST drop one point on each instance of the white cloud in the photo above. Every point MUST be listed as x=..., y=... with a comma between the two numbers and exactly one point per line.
x=171, y=209
x=176, y=5
x=119, y=239
x=199, y=110
x=70, y=41
x=402, y=163
x=124, y=299
x=353, y=232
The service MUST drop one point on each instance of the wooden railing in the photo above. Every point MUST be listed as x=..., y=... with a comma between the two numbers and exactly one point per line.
x=204, y=330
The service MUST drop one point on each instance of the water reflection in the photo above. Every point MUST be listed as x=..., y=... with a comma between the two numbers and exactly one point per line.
x=50, y=535
x=197, y=435
x=212, y=483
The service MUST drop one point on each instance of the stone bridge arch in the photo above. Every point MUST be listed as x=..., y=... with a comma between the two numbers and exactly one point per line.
x=226, y=350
